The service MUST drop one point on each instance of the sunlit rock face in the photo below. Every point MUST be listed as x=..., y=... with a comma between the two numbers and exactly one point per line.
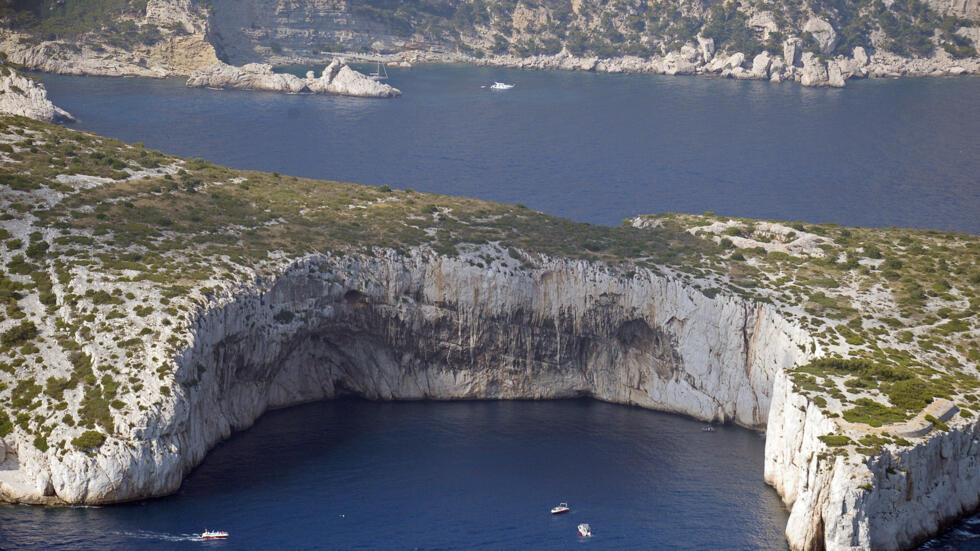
x=421, y=326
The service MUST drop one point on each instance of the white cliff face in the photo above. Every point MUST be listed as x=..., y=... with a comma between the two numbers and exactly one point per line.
x=20, y=95
x=337, y=78
x=184, y=46
x=889, y=502
x=421, y=326
x=424, y=327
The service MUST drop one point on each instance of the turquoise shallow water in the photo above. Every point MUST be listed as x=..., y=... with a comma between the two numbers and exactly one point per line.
x=592, y=147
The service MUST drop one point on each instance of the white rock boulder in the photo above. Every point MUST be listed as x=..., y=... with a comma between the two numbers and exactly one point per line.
x=823, y=32
x=860, y=56
x=814, y=71
x=253, y=76
x=761, y=64
x=791, y=51
x=338, y=78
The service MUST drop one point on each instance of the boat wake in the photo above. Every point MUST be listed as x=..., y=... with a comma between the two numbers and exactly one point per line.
x=160, y=536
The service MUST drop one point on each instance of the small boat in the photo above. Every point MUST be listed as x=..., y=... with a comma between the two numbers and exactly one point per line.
x=560, y=508
x=213, y=535
x=584, y=530
x=708, y=428
x=501, y=86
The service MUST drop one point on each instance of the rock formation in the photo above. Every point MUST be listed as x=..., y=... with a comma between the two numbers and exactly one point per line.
x=421, y=326
x=193, y=35
x=20, y=95
x=253, y=76
x=889, y=502
x=337, y=78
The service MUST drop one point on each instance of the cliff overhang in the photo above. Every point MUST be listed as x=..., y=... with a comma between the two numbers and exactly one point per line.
x=156, y=304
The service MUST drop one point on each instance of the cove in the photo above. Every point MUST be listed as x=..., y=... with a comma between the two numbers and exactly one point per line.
x=353, y=474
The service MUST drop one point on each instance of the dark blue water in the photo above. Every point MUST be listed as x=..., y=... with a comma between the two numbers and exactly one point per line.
x=463, y=475
x=592, y=147
x=595, y=148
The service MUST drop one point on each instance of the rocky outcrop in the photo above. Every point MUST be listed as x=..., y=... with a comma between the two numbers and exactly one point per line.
x=700, y=60
x=253, y=76
x=20, y=95
x=337, y=78
x=823, y=32
x=889, y=502
x=421, y=326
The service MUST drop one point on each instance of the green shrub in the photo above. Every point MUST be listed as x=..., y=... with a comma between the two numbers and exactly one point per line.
x=23, y=394
x=56, y=387
x=937, y=423
x=835, y=440
x=41, y=443
x=89, y=440
x=6, y=426
x=873, y=413
x=284, y=316
x=19, y=334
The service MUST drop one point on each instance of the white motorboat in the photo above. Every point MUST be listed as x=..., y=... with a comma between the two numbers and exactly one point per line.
x=584, y=530
x=501, y=86
x=560, y=508
x=213, y=535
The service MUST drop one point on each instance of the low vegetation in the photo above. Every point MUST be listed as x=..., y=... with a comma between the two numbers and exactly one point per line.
x=109, y=249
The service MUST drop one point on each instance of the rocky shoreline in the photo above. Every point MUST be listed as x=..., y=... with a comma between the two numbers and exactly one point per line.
x=792, y=64
x=337, y=78
x=806, y=68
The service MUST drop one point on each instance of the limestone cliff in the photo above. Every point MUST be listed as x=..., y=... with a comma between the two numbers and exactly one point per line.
x=888, y=501
x=20, y=95
x=153, y=305
x=745, y=40
x=421, y=326
x=166, y=38
x=852, y=40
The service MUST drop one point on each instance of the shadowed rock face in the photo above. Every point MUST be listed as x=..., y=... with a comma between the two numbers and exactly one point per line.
x=421, y=326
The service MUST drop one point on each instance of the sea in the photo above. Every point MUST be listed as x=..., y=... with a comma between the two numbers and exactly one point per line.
x=596, y=148
x=353, y=474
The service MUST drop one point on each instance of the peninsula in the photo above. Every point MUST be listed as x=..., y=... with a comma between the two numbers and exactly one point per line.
x=154, y=305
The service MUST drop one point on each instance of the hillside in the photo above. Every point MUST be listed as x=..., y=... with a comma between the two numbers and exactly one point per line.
x=827, y=42
x=156, y=304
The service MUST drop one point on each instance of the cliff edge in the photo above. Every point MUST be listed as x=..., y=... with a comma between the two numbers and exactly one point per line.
x=154, y=305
